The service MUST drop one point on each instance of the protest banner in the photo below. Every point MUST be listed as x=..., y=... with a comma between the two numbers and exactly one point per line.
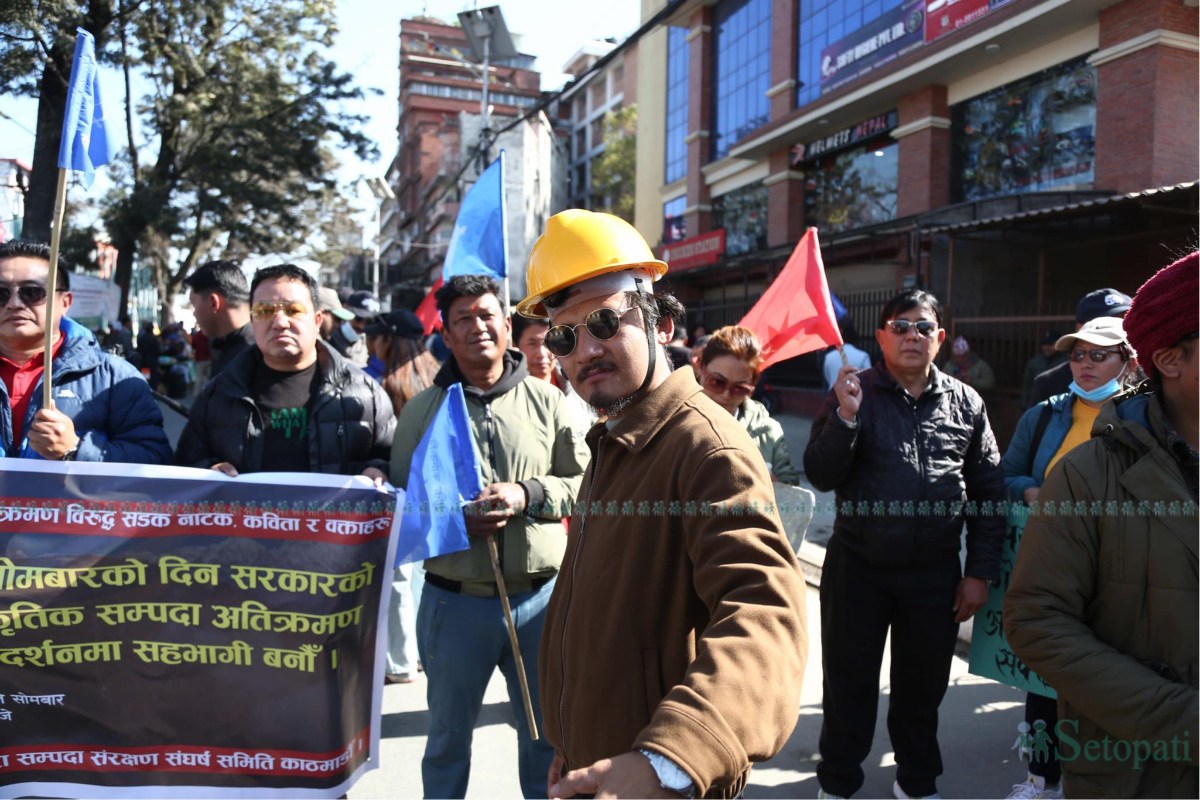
x=170, y=632
x=991, y=655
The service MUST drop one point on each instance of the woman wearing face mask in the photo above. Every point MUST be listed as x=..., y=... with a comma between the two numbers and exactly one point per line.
x=1102, y=365
x=728, y=372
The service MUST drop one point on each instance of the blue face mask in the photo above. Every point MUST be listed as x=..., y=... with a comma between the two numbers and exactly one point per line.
x=1101, y=392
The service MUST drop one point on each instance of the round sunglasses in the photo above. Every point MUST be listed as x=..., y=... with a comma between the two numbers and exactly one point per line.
x=602, y=324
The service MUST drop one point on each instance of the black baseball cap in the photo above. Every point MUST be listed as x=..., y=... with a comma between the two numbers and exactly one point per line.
x=1101, y=303
x=363, y=304
x=397, y=323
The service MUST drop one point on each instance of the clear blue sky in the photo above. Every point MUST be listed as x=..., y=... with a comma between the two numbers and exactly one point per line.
x=368, y=46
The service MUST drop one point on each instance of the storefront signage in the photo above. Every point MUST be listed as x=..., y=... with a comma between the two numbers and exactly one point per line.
x=847, y=137
x=947, y=16
x=698, y=251
x=875, y=44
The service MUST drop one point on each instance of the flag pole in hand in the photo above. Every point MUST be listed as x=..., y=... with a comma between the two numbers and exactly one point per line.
x=60, y=202
x=84, y=147
x=512, y=636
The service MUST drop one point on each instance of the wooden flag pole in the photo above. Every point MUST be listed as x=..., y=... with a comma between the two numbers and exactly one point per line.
x=60, y=202
x=512, y=636
x=842, y=353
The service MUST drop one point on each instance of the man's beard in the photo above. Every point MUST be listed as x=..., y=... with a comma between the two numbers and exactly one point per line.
x=612, y=407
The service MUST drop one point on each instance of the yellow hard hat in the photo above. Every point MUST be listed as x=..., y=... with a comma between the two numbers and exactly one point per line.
x=578, y=245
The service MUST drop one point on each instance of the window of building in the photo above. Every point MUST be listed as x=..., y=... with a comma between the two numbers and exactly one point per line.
x=599, y=95
x=852, y=188
x=674, y=227
x=597, y=132
x=827, y=22
x=677, y=104
x=581, y=142
x=743, y=215
x=1033, y=135
x=742, y=71
x=580, y=107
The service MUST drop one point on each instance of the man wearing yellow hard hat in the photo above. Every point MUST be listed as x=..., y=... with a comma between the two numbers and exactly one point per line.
x=675, y=640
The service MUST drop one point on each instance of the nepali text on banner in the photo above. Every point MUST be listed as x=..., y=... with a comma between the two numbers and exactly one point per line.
x=171, y=632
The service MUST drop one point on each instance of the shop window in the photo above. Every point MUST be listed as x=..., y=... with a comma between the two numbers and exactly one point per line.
x=675, y=166
x=853, y=188
x=1033, y=135
x=674, y=226
x=743, y=215
x=742, y=71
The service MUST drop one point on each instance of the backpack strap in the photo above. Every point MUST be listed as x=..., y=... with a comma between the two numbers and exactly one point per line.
x=1038, y=432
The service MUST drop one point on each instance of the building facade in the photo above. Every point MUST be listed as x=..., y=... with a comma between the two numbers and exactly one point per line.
x=440, y=87
x=604, y=80
x=1009, y=155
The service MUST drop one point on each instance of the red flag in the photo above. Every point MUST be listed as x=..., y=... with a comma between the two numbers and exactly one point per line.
x=795, y=315
x=427, y=312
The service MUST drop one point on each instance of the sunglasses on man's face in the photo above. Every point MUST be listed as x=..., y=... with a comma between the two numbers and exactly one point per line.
x=900, y=327
x=30, y=295
x=719, y=385
x=602, y=324
x=1098, y=356
x=263, y=312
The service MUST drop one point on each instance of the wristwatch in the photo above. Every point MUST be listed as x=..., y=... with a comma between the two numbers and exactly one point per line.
x=70, y=454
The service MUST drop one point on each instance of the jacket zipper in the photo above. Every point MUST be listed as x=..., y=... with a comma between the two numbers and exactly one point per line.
x=583, y=518
x=489, y=424
x=920, y=450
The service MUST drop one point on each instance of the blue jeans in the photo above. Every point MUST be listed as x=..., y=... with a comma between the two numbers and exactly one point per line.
x=461, y=640
x=402, y=625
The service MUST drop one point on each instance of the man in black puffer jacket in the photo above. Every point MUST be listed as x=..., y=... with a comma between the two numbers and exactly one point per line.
x=905, y=447
x=290, y=403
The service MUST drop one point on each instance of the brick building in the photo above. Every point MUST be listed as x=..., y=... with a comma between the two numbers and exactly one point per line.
x=1008, y=155
x=440, y=93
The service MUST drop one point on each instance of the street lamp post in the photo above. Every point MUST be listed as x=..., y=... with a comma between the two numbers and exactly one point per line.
x=489, y=38
x=379, y=187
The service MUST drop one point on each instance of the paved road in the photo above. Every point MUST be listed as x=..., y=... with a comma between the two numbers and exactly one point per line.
x=979, y=726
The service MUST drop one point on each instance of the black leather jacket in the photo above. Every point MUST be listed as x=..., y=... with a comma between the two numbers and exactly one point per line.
x=352, y=426
x=904, y=475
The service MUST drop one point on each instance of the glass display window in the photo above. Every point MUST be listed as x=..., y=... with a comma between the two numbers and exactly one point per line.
x=1035, y=134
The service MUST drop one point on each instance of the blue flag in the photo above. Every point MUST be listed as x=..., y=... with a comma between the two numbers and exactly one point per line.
x=479, y=245
x=839, y=310
x=444, y=474
x=85, y=143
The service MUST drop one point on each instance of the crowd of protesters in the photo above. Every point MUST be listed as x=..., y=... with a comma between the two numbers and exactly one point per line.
x=665, y=652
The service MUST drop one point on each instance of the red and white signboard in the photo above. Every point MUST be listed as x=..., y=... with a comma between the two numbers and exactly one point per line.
x=947, y=16
x=698, y=251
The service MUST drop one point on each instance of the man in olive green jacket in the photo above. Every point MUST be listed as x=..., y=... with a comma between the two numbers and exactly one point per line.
x=532, y=459
x=1104, y=599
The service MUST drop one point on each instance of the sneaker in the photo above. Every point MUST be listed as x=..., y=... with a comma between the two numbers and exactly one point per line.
x=1034, y=788
x=824, y=795
x=899, y=794
x=397, y=677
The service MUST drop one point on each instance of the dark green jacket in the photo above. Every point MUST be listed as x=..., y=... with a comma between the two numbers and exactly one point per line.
x=1104, y=605
x=524, y=433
